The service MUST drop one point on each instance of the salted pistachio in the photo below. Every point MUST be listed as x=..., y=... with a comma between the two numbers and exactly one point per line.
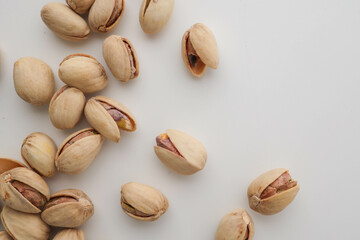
x=33, y=80
x=143, y=202
x=78, y=151
x=80, y=6
x=154, y=14
x=5, y=236
x=180, y=152
x=66, y=107
x=64, y=22
x=272, y=191
x=236, y=225
x=38, y=151
x=68, y=208
x=121, y=58
x=108, y=116
x=199, y=49
x=104, y=15
x=7, y=164
x=23, y=190
x=70, y=234
x=83, y=72
x=24, y=226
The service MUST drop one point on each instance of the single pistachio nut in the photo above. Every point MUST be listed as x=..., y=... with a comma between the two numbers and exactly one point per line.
x=236, y=225
x=5, y=236
x=154, y=14
x=83, y=72
x=121, y=58
x=108, y=117
x=80, y=6
x=143, y=202
x=7, y=164
x=78, y=151
x=33, y=80
x=64, y=22
x=24, y=226
x=66, y=107
x=199, y=49
x=38, y=151
x=70, y=234
x=272, y=191
x=68, y=208
x=104, y=15
x=180, y=152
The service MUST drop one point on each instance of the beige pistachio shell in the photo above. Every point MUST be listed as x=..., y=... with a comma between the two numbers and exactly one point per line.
x=118, y=59
x=7, y=164
x=66, y=107
x=33, y=80
x=4, y=236
x=154, y=14
x=145, y=199
x=38, y=151
x=64, y=22
x=273, y=204
x=80, y=6
x=236, y=225
x=102, y=121
x=83, y=72
x=68, y=214
x=70, y=234
x=104, y=15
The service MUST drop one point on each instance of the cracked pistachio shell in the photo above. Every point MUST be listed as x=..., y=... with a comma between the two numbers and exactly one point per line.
x=4, y=236
x=102, y=121
x=33, y=80
x=273, y=204
x=64, y=22
x=236, y=225
x=66, y=107
x=104, y=15
x=13, y=198
x=205, y=46
x=154, y=14
x=70, y=234
x=38, y=151
x=73, y=212
x=78, y=155
x=193, y=153
x=83, y=72
x=24, y=226
x=7, y=164
x=123, y=65
x=80, y=6
x=143, y=202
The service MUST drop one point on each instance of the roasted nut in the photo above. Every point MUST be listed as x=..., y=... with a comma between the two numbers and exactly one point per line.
x=70, y=234
x=33, y=80
x=83, y=72
x=236, y=225
x=272, y=191
x=4, y=236
x=121, y=58
x=7, y=164
x=180, y=152
x=104, y=15
x=66, y=107
x=78, y=151
x=38, y=151
x=64, y=22
x=199, y=49
x=68, y=208
x=154, y=14
x=108, y=117
x=80, y=6
x=143, y=202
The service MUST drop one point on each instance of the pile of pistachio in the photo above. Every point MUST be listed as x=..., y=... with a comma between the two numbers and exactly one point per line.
x=30, y=211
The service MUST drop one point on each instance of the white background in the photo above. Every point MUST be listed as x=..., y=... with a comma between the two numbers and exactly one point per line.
x=286, y=94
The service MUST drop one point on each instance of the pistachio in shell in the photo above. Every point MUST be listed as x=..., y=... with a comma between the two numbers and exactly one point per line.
x=180, y=152
x=4, y=236
x=80, y=6
x=154, y=14
x=104, y=15
x=70, y=234
x=7, y=164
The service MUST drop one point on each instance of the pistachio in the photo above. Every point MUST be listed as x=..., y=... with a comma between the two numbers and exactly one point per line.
x=108, y=117
x=121, y=58
x=104, y=15
x=236, y=225
x=33, y=80
x=4, y=236
x=70, y=234
x=68, y=208
x=83, y=72
x=78, y=151
x=66, y=107
x=143, y=202
x=199, y=49
x=80, y=6
x=180, y=152
x=154, y=14
x=38, y=151
x=7, y=164
x=272, y=191
x=64, y=22
x=24, y=226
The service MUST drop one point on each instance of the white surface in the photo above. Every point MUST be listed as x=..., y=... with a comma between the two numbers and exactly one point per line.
x=286, y=94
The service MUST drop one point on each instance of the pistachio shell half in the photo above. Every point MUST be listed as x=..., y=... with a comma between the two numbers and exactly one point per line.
x=272, y=191
x=70, y=234
x=143, y=202
x=7, y=164
x=104, y=15
x=4, y=236
x=80, y=6
x=154, y=14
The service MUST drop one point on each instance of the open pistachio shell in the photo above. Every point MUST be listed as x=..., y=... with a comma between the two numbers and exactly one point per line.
x=7, y=164
x=70, y=234
x=104, y=15
x=80, y=6
x=154, y=14
x=4, y=236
